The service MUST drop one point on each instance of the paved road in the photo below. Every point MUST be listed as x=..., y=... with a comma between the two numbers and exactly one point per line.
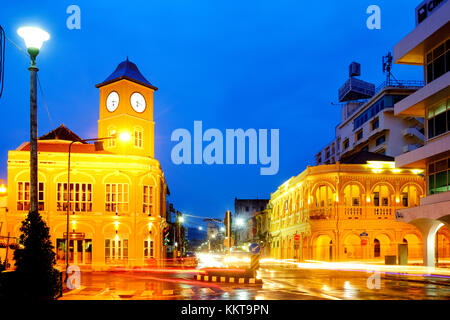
x=280, y=283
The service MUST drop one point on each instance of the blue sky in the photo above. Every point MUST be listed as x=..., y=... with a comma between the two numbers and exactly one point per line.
x=232, y=64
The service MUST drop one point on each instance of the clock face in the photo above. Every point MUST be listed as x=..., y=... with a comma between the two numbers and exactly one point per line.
x=137, y=102
x=112, y=102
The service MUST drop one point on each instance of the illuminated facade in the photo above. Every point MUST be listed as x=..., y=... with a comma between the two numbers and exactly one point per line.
x=428, y=45
x=342, y=212
x=117, y=193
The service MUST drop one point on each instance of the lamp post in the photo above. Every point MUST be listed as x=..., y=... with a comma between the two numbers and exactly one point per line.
x=34, y=38
x=97, y=148
x=180, y=220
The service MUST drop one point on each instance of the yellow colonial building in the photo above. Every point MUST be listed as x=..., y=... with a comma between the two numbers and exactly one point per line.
x=346, y=211
x=117, y=190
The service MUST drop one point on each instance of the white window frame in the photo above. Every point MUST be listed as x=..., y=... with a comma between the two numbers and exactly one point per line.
x=116, y=201
x=61, y=197
x=26, y=202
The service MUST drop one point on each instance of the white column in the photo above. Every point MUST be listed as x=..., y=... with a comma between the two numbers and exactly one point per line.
x=428, y=228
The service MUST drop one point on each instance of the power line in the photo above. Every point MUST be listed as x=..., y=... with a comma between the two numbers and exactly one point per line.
x=2, y=59
x=45, y=103
x=20, y=49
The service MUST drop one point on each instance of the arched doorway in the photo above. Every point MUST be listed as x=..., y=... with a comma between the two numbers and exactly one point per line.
x=376, y=248
x=382, y=246
x=414, y=248
x=442, y=246
x=352, y=247
x=323, y=248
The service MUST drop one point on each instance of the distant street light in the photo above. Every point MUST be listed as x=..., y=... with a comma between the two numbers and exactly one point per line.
x=200, y=228
x=239, y=222
x=34, y=38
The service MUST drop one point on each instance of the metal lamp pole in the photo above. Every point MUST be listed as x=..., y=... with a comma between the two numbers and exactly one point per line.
x=33, y=137
x=34, y=38
x=68, y=196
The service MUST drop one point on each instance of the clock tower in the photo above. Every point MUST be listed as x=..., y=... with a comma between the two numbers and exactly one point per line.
x=126, y=111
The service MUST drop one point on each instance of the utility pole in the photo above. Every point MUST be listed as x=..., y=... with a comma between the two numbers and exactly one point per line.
x=178, y=234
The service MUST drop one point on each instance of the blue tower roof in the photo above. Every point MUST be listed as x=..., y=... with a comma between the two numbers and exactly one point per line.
x=127, y=70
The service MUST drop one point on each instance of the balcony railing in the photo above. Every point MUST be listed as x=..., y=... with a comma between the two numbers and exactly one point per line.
x=321, y=213
x=399, y=84
x=383, y=212
x=351, y=212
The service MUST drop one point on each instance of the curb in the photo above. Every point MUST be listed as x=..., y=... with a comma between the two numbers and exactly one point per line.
x=234, y=280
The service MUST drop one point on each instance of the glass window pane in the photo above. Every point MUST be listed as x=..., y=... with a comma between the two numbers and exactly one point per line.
x=441, y=182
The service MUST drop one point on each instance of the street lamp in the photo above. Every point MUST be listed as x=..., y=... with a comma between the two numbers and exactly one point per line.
x=98, y=147
x=34, y=38
x=2, y=189
x=180, y=220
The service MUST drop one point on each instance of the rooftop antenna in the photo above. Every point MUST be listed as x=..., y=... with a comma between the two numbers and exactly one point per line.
x=387, y=66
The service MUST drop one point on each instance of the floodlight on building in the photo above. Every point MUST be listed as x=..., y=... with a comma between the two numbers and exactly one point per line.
x=125, y=136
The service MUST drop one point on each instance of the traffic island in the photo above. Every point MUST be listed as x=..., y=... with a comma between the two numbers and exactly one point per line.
x=231, y=276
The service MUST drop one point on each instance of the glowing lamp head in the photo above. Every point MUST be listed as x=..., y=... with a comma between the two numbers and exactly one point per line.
x=2, y=189
x=34, y=38
x=181, y=220
x=240, y=222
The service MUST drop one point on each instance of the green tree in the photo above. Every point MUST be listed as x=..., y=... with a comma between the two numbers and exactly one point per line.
x=35, y=261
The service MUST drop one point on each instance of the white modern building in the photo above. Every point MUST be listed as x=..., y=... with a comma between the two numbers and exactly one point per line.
x=368, y=122
x=428, y=45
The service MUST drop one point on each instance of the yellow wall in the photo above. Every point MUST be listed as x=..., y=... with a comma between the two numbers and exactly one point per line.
x=330, y=216
x=128, y=164
x=98, y=225
x=125, y=119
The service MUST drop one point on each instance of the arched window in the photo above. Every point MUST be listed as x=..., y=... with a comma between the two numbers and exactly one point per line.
x=381, y=196
x=138, y=137
x=352, y=196
x=410, y=196
x=324, y=196
x=111, y=143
